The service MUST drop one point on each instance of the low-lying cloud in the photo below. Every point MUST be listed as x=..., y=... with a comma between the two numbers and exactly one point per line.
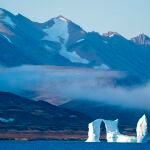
x=72, y=83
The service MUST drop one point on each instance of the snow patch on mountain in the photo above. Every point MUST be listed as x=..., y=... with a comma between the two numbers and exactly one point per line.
x=58, y=32
x=102, y=67
x=81, y=40
x=62, y=18
x=6, y=120
x=6, y=38
x=110, y=34
x=72, y=56
x=8, y=21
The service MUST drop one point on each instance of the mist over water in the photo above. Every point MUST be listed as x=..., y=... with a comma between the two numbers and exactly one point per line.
x=73, y=83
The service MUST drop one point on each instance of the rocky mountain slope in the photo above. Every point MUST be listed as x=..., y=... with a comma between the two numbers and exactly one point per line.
x=20, y=114
x=61, y=42
x=128, y=117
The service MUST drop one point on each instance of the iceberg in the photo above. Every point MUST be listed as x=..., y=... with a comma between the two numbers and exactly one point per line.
x=141, y=130
x=113, y=134
x=94, y=131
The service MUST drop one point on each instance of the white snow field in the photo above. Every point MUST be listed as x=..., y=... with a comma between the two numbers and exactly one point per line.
x=59, y=33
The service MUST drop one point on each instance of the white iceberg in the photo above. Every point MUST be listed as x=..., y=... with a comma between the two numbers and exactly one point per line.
x=94, y=131
x=113, y=134
x=141, y=130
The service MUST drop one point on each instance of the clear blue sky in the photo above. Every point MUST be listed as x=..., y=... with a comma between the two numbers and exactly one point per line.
x=127, y=17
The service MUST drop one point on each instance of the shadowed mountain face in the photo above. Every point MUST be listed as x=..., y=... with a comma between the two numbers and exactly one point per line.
x=19, y=113
x=61, y=42
x=128, y=117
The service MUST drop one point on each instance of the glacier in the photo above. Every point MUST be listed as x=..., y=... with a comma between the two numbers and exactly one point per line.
x=59, y=33
x=72, y=56
x=113, y=134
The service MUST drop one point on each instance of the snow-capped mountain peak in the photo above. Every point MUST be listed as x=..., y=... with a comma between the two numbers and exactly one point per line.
x=60, y=41
x=111, y=34
x=6, y=17
x=141, y=39
x=62, y=18
x=58, y=31
x=3, y=12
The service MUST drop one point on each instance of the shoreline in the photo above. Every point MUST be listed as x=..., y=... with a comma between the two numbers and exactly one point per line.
x=44, y=135
x=61, y=135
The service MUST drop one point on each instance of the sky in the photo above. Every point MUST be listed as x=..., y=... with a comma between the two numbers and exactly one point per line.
x=127, y=17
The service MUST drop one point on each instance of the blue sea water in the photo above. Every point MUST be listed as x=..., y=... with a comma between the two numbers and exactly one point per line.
x=64, y=145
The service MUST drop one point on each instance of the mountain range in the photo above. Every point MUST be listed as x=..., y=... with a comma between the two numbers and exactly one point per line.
x=45, y=61
x=61, y=42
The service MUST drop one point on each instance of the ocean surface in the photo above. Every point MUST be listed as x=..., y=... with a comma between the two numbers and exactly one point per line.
x=67, y=145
